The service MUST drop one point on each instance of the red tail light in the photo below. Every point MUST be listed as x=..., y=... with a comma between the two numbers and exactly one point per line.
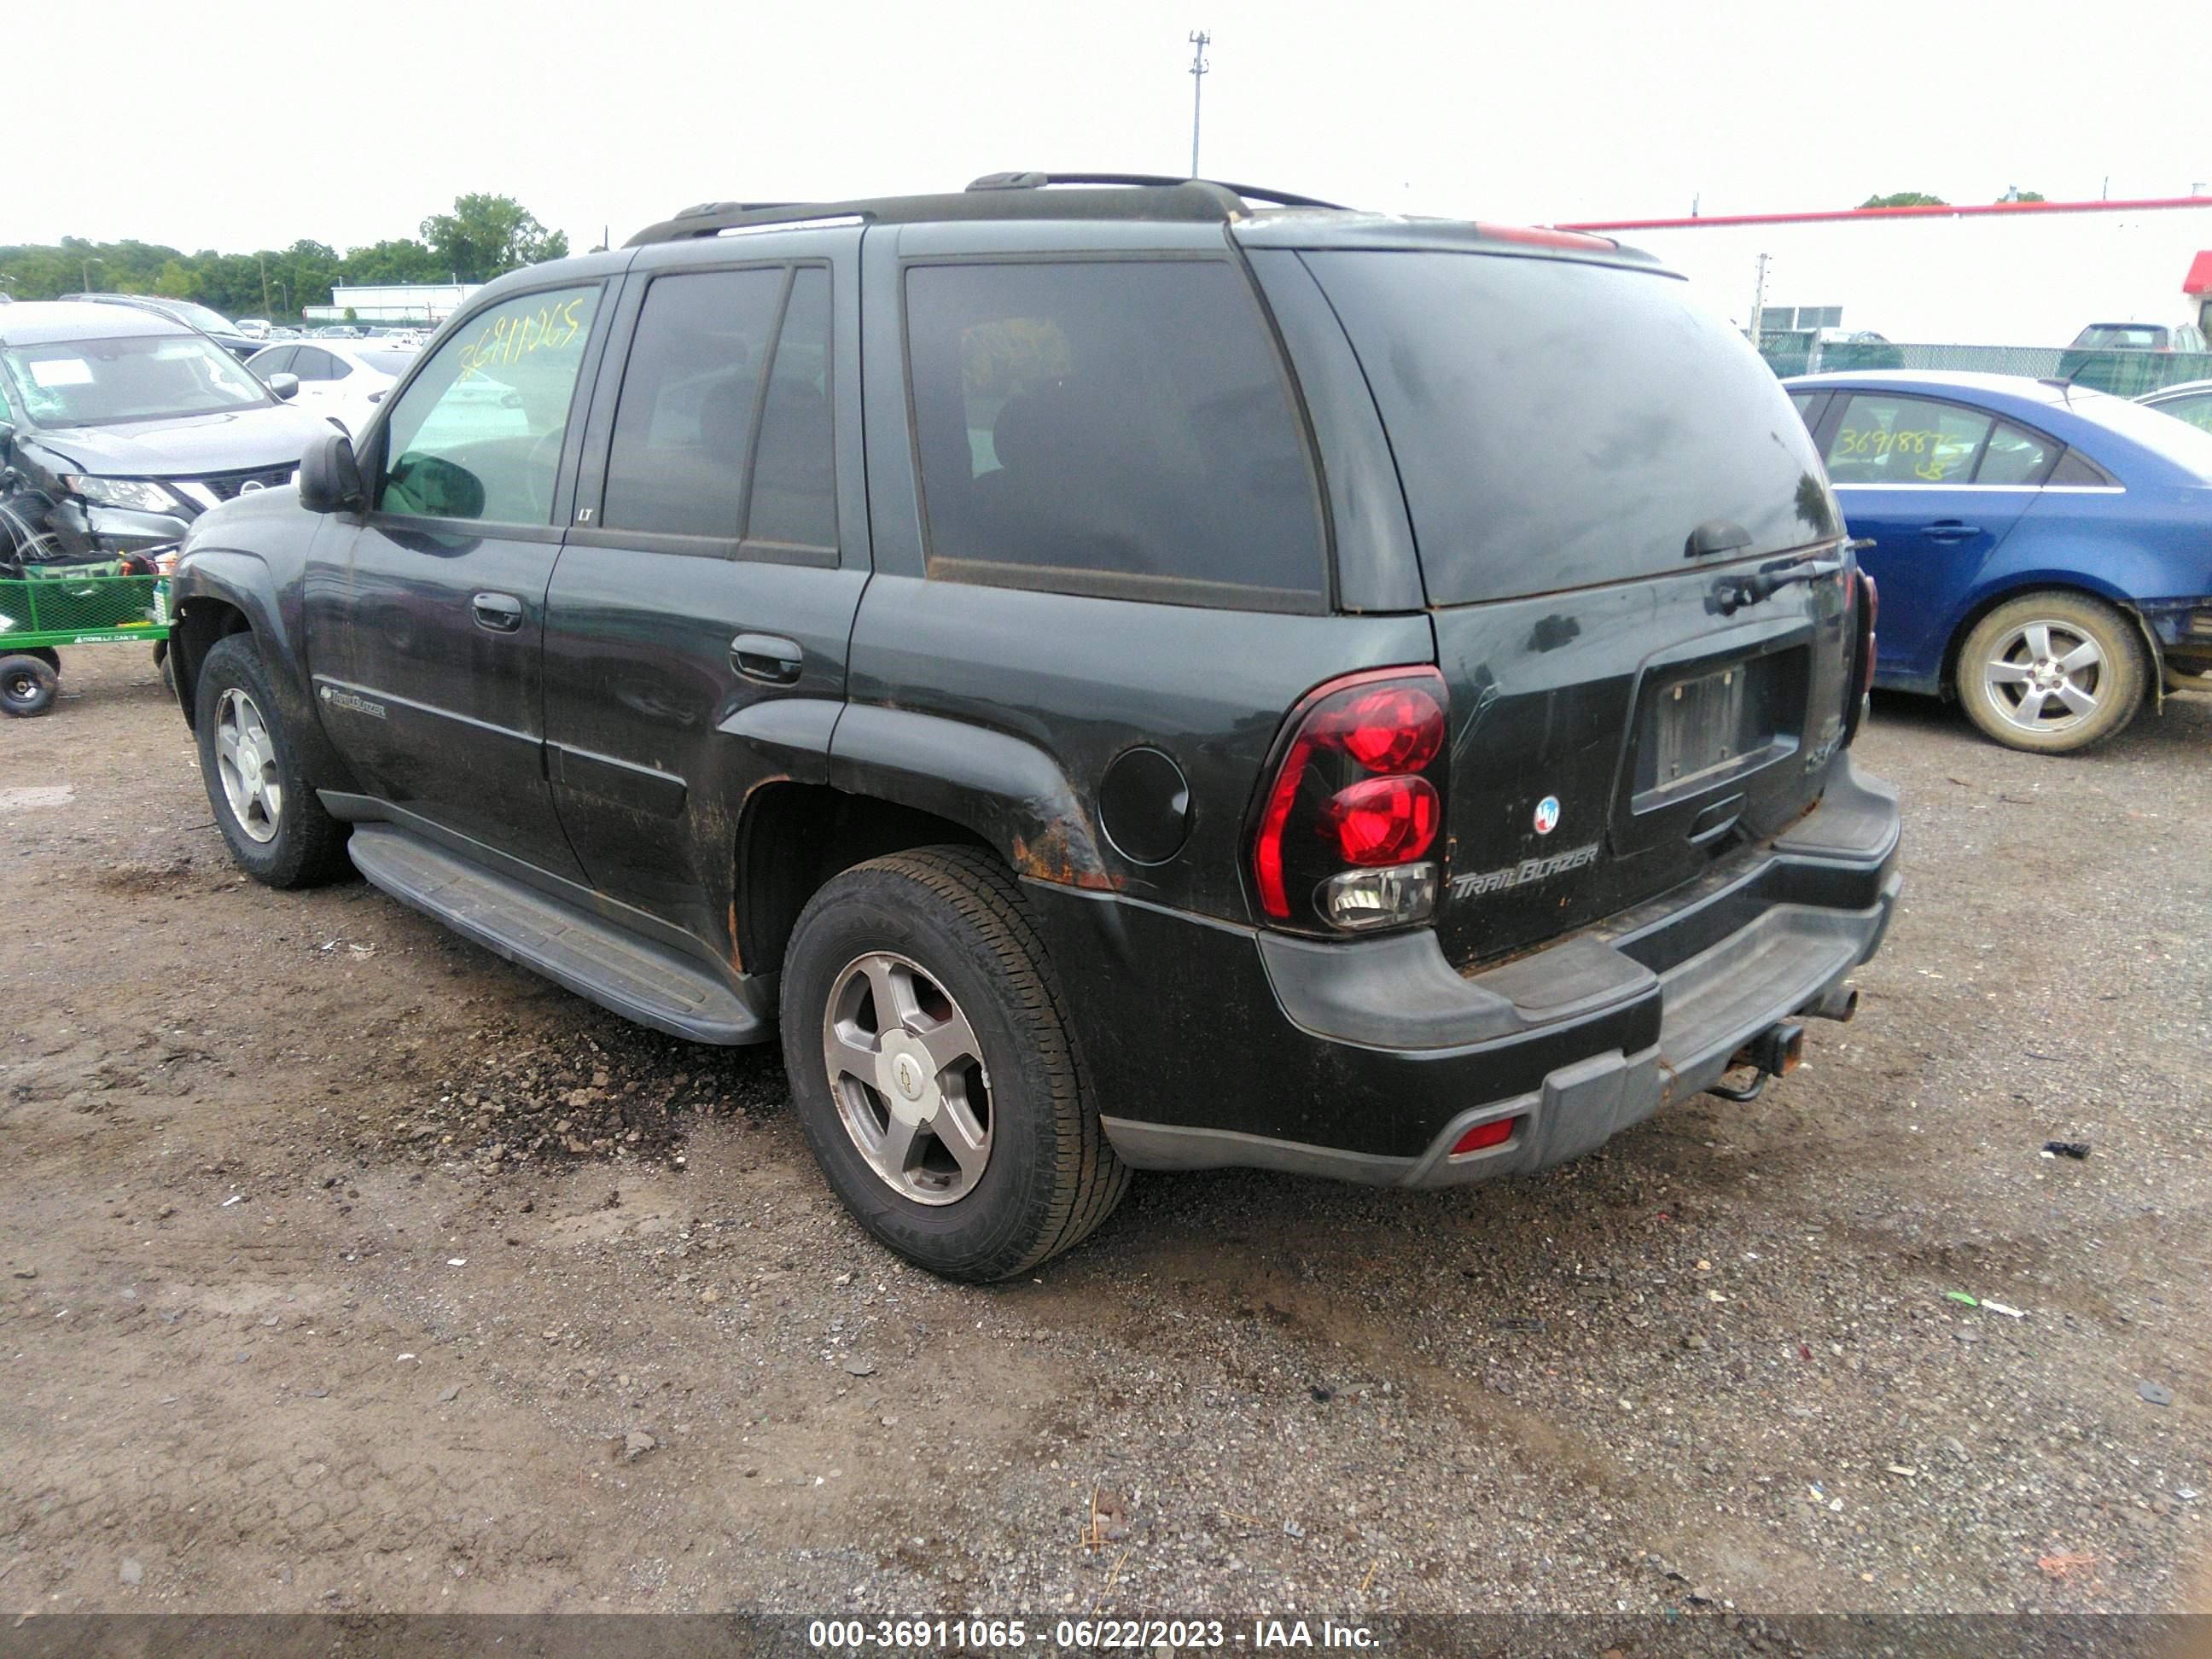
x=1355, y=789
x=1385, y=820
x=1865, y=603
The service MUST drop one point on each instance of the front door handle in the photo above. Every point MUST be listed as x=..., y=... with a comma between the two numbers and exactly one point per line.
x=769, y=658
x=501, y=613
x=1950, y=530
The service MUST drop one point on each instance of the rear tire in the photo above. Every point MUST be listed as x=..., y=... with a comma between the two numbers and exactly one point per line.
x=2052, y=674
x=276, y=828
x=28, y=685
x=999, y=1160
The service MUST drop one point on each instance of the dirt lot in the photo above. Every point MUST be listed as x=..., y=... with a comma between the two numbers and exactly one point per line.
x=343, y=1266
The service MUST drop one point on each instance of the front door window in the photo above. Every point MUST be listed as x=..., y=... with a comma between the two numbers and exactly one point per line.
x=478, y=435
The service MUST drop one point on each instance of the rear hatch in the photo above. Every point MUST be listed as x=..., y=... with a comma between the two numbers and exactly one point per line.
x=1593, y=465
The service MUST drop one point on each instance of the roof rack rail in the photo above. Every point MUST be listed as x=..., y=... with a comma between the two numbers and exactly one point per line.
x=1038, y=180
x=702, y=209
x=995, y=196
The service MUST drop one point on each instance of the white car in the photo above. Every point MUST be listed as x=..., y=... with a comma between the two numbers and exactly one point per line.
x=341, y=380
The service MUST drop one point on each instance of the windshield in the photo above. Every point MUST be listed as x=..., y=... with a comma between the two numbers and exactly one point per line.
x=140, y=378
x=1560, y=424
x=199, y=317
x=386, y=362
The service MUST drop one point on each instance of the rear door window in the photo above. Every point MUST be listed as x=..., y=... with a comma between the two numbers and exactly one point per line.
x=1883, y=438
x=1121, y=426
x=685, y=425
x=1562, y=424
x=2016, y=456
x=794, y=488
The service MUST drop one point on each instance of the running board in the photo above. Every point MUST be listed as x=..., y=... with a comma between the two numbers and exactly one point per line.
x=590, y=956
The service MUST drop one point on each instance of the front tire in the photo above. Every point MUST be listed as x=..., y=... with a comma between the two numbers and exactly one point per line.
x=275, y=829
x=932, y=1069
x=2052, y=674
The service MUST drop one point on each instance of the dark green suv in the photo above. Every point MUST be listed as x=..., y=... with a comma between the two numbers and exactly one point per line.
x=1121, y=673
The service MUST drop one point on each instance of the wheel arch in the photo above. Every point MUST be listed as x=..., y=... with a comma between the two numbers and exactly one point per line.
x=2071, y=583
x=198, y=624
x=836, y=829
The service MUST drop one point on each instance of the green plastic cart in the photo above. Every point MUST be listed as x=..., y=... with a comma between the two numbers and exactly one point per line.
x=48, y=606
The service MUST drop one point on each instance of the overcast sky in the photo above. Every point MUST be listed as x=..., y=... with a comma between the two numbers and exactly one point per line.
x=236, y=125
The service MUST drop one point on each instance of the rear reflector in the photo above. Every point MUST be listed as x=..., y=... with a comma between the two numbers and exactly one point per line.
x=1483, y=1136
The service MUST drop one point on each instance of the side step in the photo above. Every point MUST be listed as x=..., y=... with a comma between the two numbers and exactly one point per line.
x=593, y=957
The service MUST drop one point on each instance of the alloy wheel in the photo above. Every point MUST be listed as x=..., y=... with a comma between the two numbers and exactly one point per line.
x=2045, y=676
x=245, y=756
x=907, y=1071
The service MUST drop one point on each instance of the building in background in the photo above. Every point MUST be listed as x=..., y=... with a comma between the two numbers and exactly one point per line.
x=393, y=302
x=2012, y=273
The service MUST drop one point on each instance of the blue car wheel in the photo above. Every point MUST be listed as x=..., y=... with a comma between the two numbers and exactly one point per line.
x=2052, y=673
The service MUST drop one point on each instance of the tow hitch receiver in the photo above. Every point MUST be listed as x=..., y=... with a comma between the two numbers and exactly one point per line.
x=1774, y=1052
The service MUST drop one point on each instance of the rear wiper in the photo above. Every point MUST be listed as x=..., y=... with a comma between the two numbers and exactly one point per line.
x=1732, y=593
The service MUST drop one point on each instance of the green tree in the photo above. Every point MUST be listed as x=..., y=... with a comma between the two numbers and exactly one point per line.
x=403, y=260
x=2023, y=195
x=1905, y=198
x=486, y=236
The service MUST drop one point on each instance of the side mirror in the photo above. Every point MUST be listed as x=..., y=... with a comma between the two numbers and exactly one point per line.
x=330, y=476
x=283, y=387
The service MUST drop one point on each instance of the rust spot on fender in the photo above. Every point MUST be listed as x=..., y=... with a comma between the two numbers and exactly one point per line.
x=1063, y=855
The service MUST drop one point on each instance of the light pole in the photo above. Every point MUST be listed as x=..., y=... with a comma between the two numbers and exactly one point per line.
x=86, y=265
x=1199, y=40
x=262, y=260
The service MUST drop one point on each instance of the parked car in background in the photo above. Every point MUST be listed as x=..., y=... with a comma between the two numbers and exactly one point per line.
x=119, y=427
x=342, y=380
x=2121, y=358
x=2044, y=551
x=212, y=323
x=1408, y=669
x=255, y=327
x=2190, y=401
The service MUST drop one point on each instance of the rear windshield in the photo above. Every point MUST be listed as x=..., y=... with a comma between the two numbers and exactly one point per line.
x=1558, y=424
x=2118, y=336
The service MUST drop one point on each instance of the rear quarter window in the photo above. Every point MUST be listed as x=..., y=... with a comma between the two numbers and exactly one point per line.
x=1121, y=426
x=1560, y=424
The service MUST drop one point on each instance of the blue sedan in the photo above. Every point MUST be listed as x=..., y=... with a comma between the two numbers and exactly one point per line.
x=2044, y=553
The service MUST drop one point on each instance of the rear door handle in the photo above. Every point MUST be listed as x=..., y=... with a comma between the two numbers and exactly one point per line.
x=501, y=613
x=769, y=658
x=1950, y=530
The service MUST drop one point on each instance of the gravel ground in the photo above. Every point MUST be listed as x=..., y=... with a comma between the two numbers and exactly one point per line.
x=344, y=1267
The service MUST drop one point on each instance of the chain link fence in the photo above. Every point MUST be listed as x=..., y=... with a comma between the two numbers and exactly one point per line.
x=2125, y=373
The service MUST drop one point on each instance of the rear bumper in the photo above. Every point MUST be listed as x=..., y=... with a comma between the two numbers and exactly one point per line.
x=2183, y=630
x=1367, y=1061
